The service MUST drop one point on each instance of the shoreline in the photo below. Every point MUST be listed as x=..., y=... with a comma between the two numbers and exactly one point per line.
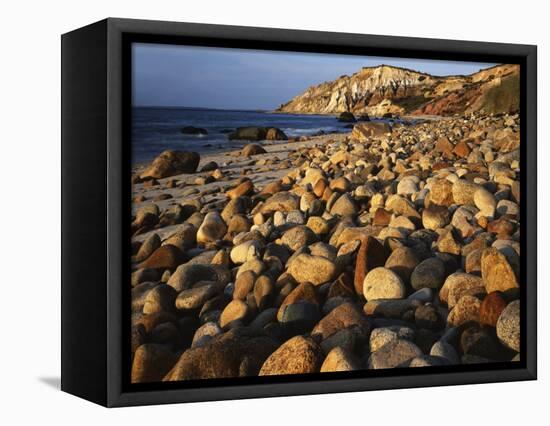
x=229, y=162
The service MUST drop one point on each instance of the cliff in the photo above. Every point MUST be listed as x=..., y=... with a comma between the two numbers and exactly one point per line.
x=387, y=89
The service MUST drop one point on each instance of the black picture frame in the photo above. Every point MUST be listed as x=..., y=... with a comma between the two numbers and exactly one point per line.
x=96, y=202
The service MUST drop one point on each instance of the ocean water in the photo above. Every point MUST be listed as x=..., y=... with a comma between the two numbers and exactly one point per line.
x=157, y=129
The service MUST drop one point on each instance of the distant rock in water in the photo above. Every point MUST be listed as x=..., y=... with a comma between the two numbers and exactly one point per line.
x=171, y=163
x=275, y=134
x=347, y=117
x=192, y=130
x=384, y=89
x=257, y=134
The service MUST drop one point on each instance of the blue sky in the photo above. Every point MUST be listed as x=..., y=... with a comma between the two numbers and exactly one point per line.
x=169, y=75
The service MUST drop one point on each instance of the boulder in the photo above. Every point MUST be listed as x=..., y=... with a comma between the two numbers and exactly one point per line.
x=466, y=310
x=371, y=255
x=250, y=133
x=429, y=273
x=339, y=359
x=508, y=326
x=165, y=257
x=396, y=353
x=344, y=316
x=151, y=362
x=382, y=283
x=491, y=308
x=188, y=274
x=192, y=130
x=497, y=273
x=235, y=311
x=316, y=270
x=213, y=228
x=171, y=163
x=298, y=237
x=282, y=201
x=252, y=149
x=299, y=355
x=275, y=134
x=236, y=353
x=346, y=117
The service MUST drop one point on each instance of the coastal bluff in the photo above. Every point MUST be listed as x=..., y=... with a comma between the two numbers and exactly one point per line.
x=384, y=89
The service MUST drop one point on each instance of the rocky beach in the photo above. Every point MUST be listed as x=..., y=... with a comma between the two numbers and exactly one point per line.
x=395, y=245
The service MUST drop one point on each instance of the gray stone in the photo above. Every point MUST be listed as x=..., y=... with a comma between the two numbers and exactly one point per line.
x=396, y=353
x=508, y=326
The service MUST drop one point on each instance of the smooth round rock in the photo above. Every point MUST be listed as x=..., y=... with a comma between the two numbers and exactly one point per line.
x=429, y=273
x=382, y=283
x=445, y=350
x=236, y=310
x=212, y=228
x=435, y=217
x=402, y=261
x=298, y=237
x=313, y=269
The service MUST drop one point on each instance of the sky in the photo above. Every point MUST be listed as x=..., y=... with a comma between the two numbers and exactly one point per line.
x=225, y=78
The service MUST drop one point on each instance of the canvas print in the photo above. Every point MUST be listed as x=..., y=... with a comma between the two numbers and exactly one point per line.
x=311, y=213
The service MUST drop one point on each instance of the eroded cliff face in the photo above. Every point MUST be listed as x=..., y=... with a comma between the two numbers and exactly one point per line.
x=387, y=89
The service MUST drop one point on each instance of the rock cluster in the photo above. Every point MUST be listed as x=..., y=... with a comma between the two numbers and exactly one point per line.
x=390, y=247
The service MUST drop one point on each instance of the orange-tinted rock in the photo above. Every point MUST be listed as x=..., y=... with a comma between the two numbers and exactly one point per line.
x=491, y=308
x=440, y=165
x=466, y=310
x=165, y=257
x=441, y=192
x=244, y=188
x=444, y=146
x=319, y=187
x=497, y=272
x=502, y=227
x=462, y=149
x=382, y=217
x=272, y=187
x=371, y=254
